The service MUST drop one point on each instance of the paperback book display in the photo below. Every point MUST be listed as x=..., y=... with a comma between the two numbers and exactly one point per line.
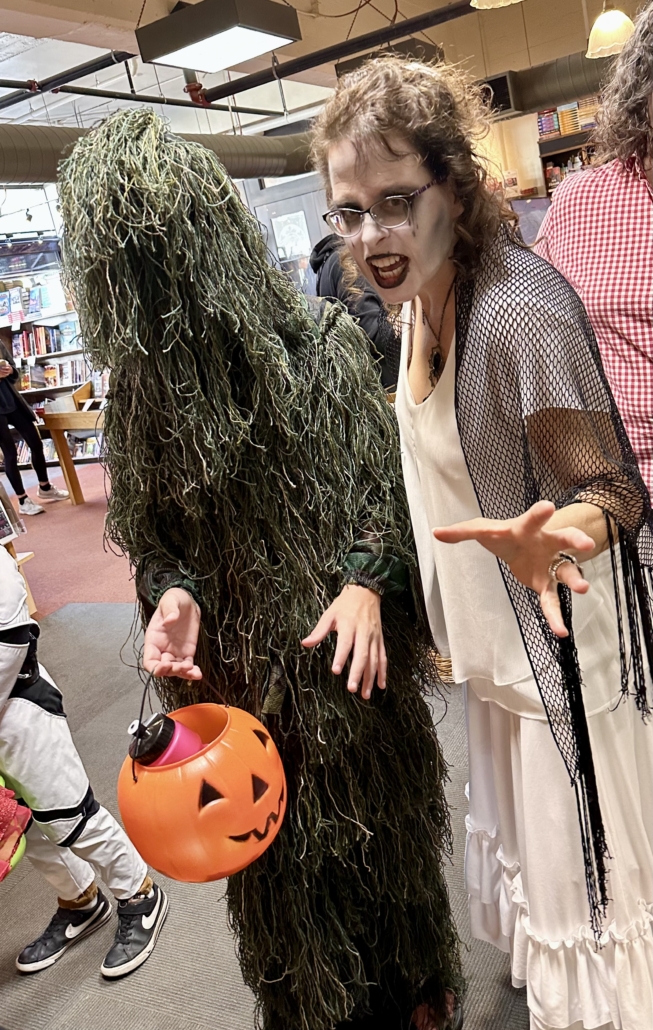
x=580, y=116
x=90, y=448
x=41, y=340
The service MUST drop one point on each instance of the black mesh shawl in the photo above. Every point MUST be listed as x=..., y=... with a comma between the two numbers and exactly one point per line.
x=537, y=421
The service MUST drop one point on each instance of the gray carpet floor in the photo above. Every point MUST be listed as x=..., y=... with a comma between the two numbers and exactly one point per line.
x=192, y=981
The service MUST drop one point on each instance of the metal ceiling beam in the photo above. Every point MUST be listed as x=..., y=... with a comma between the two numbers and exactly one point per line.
x=140, y=98
x=61, y=78
x=345, y=49
x=143, y=98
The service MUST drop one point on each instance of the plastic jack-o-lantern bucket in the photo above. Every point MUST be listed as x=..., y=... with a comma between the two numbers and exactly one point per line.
x=215, y=812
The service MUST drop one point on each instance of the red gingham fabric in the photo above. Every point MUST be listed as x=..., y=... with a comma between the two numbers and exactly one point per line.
x=599, y=233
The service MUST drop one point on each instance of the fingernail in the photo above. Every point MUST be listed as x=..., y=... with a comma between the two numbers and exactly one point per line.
x=352, y=687
x=337, y=669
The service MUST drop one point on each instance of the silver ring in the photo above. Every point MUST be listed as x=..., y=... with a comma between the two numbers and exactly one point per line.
x=560, y=559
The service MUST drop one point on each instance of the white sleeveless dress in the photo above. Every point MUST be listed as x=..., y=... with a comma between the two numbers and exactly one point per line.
x=524, y=867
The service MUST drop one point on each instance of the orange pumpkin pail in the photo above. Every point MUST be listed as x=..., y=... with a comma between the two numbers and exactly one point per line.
x=214, y=812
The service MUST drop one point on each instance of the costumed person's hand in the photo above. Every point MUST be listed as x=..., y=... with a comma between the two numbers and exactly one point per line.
x=171, y=637
x=528, y=548
x=355, y=616
x=5, y=369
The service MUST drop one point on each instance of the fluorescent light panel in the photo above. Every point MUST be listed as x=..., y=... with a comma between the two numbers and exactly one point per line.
x=212, y=35
x=223, y=50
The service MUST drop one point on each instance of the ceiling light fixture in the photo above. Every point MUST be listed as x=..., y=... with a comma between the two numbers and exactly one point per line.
x=487, y=5
x=609, y=32
x=217, y=34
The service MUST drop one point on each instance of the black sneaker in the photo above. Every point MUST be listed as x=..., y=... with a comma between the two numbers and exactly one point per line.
x=140, y=922
x=67, y=927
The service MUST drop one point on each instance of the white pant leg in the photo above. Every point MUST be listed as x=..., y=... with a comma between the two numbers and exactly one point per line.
x=68, y=874
x=106, y=847
x=42, y=765
x=102, y=849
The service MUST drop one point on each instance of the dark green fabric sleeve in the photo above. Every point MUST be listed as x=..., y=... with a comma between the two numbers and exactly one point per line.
x=155, y=576
x=371, y=564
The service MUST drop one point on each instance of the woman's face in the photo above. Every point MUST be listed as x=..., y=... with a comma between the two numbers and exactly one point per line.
x=399, y=263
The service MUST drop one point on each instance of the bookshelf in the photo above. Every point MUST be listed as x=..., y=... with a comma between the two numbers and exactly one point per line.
x=40, y=330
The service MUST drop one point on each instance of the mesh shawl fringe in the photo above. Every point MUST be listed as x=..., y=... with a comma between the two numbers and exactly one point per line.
x=537, y=421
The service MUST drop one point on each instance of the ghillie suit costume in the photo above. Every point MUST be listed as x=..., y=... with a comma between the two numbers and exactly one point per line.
x=253, y=457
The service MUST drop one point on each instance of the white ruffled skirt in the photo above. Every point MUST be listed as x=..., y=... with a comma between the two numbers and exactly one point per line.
x=524, y=865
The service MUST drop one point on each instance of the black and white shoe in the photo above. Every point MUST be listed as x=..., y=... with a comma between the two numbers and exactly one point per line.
x=140, y=922
x=66, y=928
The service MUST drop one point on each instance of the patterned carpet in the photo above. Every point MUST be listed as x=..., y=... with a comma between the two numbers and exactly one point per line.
x=192, y=981
x=70, y=562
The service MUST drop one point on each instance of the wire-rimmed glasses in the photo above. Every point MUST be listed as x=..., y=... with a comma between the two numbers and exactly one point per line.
x=389, y=213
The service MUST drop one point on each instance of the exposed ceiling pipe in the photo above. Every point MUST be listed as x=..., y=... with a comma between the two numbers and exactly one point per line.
x=141, y=98
x=340, y=50
x=61, y=78
x=30, y=154
x=559, y=82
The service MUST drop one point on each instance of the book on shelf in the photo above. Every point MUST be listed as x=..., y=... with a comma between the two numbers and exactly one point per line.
x=16, y=310
x=568, y=117
x=587, y=112
x=7, y=529
x=548, y=123
x=100, y=383
x=89, y=448
x=69, y=332
x=42, y=340
x=72, y=372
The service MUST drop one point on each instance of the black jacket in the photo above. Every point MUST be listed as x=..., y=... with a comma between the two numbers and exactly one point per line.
x=367, y=308
x=10, y=399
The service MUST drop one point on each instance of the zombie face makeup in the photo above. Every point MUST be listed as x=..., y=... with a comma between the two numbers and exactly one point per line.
x=402, y=262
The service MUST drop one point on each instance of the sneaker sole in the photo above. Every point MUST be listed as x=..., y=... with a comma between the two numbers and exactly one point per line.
x=116, y=972
x=51, y=500
x=95, y=924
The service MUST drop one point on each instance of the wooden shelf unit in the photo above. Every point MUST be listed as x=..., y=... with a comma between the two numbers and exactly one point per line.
x=562, y=148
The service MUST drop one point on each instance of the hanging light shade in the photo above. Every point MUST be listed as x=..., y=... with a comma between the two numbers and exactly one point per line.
x=216, y=34
x=609, y=32
x=487, y=5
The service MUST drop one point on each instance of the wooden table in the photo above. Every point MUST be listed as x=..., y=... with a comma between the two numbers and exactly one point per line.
x=60, y=422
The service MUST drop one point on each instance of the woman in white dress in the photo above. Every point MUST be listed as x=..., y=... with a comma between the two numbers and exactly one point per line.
x=514, y=452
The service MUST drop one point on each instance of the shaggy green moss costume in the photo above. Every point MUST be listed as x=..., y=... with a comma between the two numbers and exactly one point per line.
x=253, y=457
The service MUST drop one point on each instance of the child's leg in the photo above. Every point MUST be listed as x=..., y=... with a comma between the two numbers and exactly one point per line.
x=32, y=726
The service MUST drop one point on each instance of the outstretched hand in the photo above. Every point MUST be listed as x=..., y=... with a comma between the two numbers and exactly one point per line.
x=528, y=548
x=355, y=616
x=171, y=637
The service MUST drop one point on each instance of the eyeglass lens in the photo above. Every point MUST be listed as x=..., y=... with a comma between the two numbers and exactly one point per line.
x=388, y=213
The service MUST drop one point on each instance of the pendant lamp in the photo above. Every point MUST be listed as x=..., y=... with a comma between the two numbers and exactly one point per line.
x=609, y=32
x=487, y=5
x=216, y=34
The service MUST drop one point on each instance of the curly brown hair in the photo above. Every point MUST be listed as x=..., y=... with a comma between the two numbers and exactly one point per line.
x=442, y=115
x=624, y=125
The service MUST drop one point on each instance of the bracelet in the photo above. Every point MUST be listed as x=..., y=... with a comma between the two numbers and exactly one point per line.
x=560, y=559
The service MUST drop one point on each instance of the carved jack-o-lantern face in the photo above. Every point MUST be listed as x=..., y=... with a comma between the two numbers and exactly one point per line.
x=213, y=813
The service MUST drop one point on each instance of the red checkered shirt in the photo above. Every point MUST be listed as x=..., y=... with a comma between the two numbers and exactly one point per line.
x=599, y=233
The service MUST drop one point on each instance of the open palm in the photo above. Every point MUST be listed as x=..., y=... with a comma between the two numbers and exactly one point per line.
x=171, y=637
x=528, y=549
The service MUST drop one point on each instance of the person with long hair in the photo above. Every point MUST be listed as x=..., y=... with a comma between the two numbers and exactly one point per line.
x=599, y=234
x=16, y=412
x=517, y=469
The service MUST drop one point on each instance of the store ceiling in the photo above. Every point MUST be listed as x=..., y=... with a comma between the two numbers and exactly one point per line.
x=41, y=38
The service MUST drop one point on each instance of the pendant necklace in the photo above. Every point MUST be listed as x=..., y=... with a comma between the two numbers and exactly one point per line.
x=436, y=358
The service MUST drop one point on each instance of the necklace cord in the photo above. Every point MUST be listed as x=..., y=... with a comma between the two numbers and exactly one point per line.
x=425, y=319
